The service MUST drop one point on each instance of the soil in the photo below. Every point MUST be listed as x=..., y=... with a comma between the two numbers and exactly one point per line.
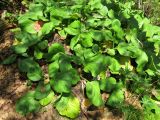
x=13, y=85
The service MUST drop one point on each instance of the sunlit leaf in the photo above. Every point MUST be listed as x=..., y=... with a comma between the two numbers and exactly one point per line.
x=86, y=40
x=68, y=106
x=93, y=93
x=38, y=54
x=116, y=26
x=45, y=101
x=20, y=48
x=95, y=64
x=74, y=41
x=116, y=98
x=74, y=28
x=107, y=84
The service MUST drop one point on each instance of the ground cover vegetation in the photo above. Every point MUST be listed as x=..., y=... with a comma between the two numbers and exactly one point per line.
x=105, y=45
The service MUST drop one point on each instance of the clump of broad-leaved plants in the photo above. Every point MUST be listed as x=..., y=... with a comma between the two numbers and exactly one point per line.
x=108, y=40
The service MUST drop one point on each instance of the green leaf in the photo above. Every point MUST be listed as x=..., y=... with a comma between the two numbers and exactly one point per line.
x=114, y=66
x=103, y=11
x=27, y=104
x=86, y=39
x=25, y=65
x=38, y=54
x=20, y=48
x=26, y=39
x=45, y=101
x=62, y=34
x=116, y=98
x=43, y=45
x=127, y=49
x=62, y=81
x=61, y=86
x=74, y=41
x=35, y=7
x=47, y=28
x=134, y=52
x=111, y=14
x=32, y=69
x=68, y=106
x=96, y=4
x=116, y=26
x=64, y=64
x=55, y=22
x=131, y=36
x=9, y=60
x=107, y=84
x=95, y=48
x=97, y=35
x=60, y=12
x=98, y=63
x=34, y=74
x=79, y=50
x=28, y=26
x=88, y=53
x=106, y=22
x=149, y=104
x=95, y=64
x=74, y=28
x=53, y=68
x=111, y=52
x=91, y=21
x=103, y=35
x=54, y=49
x=42, y=91
x=141, y=60
x=93, y=93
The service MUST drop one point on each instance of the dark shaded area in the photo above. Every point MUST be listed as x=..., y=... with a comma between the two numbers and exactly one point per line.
x=11, y=6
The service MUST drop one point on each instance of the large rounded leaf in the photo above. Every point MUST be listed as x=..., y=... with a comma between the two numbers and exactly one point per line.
x=25, y=65
x=32, y=69
x=20, y=48
x=114, y=66
x=27, y=104
x=116, y=26
x=93, y=93
x=87, y=40
x=74, y=41
x=45, y=101
x=74, y=28
x=95, y=64
x=47, y=28
x=107, y=84
x=34, y=74
x=30, y=27
x=42, y=91
x=54, y=49
x=53, y=68
x=68, y=106
x=62, y=81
